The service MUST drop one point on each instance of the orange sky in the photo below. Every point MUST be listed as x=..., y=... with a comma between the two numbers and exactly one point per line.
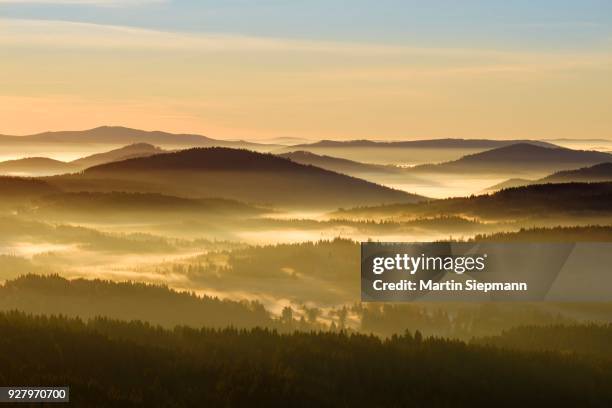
x=59, y=75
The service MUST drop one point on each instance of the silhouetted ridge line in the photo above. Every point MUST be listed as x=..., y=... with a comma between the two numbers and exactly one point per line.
x=428, y=143
x=211, y=158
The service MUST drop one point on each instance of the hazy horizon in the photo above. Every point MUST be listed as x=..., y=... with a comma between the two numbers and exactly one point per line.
x=300, y=139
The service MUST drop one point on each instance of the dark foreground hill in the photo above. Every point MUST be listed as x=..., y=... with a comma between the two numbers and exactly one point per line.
x=519, y=158
x=112, y=363
x=590, y=339
x=236, y=174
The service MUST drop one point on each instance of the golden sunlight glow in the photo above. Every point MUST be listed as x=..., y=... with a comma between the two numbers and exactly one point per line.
x=58, y=75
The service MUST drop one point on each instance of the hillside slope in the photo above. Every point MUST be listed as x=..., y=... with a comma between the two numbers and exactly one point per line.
x=123, y=153
x=39, y=166
x=340, y=165
x=593, y=174
x=538, y=202
x=519, y=158
x=237, y=174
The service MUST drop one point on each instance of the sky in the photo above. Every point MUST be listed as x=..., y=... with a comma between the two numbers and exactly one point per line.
x=317, y=69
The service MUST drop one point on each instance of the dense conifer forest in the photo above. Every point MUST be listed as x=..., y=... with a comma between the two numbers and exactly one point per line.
x=113, y=363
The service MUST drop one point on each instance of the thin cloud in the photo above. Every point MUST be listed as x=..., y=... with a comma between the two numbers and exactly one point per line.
x=377, y=61
x=66, y=34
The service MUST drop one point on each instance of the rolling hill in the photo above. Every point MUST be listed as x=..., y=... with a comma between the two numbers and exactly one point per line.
x=404, y=153
x=538, y=202
x=339, y=165
x=20, y=188
x=518, y=158
x=157, y=304
x=136, y=206
x=388, y=175
x=127, y=152
x=510, y=183
x=42, y=166
x=597, y=173
x=236, y=174
x=35, y=166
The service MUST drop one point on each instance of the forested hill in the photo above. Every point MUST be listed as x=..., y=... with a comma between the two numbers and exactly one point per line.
x=598, y=172
x=591, y=339
x=236, y=174
x=539, y=200
x=128, y=301
x=109, y=363
x=213, y=159
x=519, y=158
x=20, y=190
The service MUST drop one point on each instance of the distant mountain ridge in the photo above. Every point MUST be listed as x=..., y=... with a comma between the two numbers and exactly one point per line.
x=519, y=158
x=119, y=135
x=407, y=153
x=427, y=143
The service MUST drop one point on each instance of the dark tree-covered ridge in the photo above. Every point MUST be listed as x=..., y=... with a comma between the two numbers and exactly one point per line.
x=112, y=363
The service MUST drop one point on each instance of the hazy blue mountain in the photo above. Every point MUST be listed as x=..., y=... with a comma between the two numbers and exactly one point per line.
x=118, y=135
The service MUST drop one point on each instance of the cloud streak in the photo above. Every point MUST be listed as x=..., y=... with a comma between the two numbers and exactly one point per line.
x=240, y=86
x=65, y=34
